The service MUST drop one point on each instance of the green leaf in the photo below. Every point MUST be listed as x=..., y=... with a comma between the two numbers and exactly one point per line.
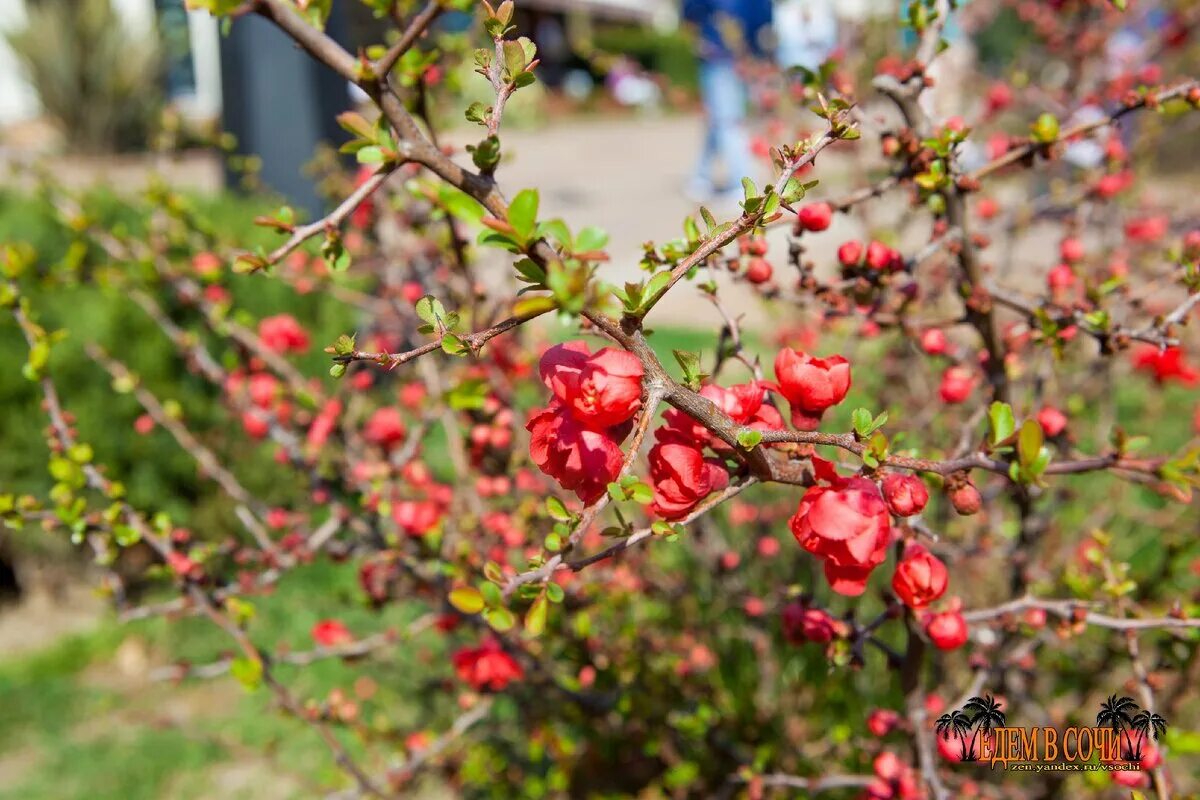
x=749, y=188
x=467, y=599
x=616, y=492
x=861, y=420
x=372, y=154
x=1000, y=415
x=522, y=213
x=749, y=439
x=452, y=345
x=535, y=618
x=554, y=592
x=501, y=619
x=590, y=239
x=430, y=310
x=1029, y=442
x=534, y=305
x=556, y=509
x=247, y=671
x=641, y=493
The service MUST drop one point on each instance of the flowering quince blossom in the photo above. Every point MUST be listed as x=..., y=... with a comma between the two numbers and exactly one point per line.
x=802, y=624
x=385, y=427
x=416, y=517
x=486, y=666
x=957, y=384
x=331, y=633
x=811, y=385
x=743, y=403
x=600, y=389
x=905, y=495
x=848, y=526
x=1052, y=420
x=882, y=721
x=682, y=477
x=282, y=334
x=576, y=439
x=1165, y=364
x=920, y=577
x=582, y=460
x=894, y=780
x=947, y=629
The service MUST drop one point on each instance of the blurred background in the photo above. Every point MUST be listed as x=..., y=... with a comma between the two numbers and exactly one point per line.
x=112, y=95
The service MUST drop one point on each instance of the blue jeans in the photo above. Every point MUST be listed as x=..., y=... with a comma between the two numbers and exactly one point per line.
x=724, y=97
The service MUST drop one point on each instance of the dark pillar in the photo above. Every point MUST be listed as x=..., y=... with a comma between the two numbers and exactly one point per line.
x=280, y=104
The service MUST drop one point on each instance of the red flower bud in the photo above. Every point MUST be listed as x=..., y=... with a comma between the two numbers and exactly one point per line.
x=850, y=253
x=1071, y=250
x=966, y=499
x=879, y=255
x=816, y=216
x=759, y=270
x=802, y=625
x=331, y=633
x=1052, y=420
x=957, y=384
x=947, y=630
x=905, y=494
x=920, y=577
x=933, y=341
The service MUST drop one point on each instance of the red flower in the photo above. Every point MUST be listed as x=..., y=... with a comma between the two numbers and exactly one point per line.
x=331, y=633
x=486, y=666
x=1052, y=420
x=957, y=384
x=416, y=517
x=880, y=256
x=905, y=494
x=599, y=390
x=815, y=216
x=1166, y=364
x=848, y=526
x=282, y=334
x=882, y=721
x=742, y=403
x=850, y=253
x=933, y=341
x=947, y=629
x=920, y=577
x=579, y=458
x=1147, y=229
x=324, y=423
x=682, y=478
x=385, y=428
x=802, y=625
x=811, y=385
x=894, y=780
x=361, y=216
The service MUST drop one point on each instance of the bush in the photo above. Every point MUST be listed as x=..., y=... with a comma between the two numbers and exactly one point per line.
x=950, y=492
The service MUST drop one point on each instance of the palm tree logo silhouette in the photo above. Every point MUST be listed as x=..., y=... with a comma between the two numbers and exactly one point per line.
x=1117, y=713
x=1147, y=723
x=981, y=714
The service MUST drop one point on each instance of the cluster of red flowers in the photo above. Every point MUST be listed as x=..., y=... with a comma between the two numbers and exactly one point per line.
x=486, y=666
x=681, y=474
x=577, y=439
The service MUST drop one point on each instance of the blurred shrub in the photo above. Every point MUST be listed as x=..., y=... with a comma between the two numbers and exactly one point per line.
x=153, y=467
x=100, y=83
x=671, y=55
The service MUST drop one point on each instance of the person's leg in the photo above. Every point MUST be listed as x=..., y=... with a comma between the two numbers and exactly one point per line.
x=700, y=185
x=728, y=121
